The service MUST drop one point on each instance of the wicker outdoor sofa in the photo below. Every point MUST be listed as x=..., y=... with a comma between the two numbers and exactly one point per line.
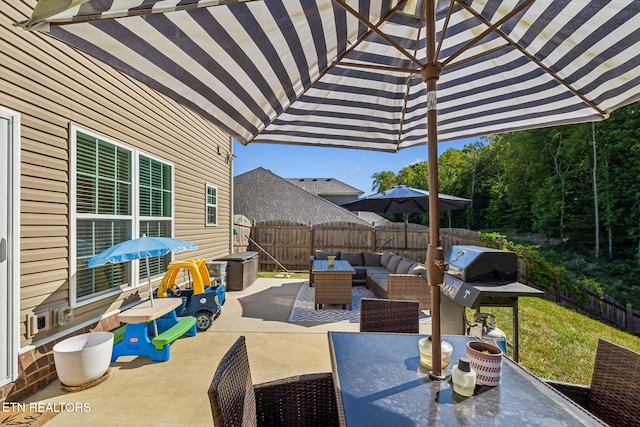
x=388, y=275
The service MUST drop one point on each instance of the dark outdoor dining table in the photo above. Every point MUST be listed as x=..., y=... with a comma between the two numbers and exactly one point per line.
x=379, y=382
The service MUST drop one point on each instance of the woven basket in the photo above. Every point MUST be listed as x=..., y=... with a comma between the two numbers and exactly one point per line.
x=486, y=360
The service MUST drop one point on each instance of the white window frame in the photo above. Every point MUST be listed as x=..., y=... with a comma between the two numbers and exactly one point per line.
x=134, y=218
x=207, y=204
x=12, y=335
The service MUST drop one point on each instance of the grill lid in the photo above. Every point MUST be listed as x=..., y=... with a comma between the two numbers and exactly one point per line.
x=478, y=264
x=483, y=276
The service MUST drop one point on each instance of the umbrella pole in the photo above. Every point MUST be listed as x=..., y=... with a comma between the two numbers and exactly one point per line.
x=149, y=279
x=155, y=324
x=435, y=254
x=406, y=225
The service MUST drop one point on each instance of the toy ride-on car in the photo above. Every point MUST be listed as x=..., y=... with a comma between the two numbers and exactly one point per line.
x=200, y=298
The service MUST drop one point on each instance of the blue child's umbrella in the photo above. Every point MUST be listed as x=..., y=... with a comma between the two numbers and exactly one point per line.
x=144, y=247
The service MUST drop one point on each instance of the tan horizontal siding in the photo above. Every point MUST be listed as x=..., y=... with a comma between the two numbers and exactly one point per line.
x=44, y=237
x=31, y=278
x=39, y=207
x=54, y=159
x=38, y=255
x=29, y=180
x=38, y=171
x=43, y=195
x=33, y=138
x=44, y=301
x=43, y=218
x=52, y=85
x=48, y=288
x=42, y=266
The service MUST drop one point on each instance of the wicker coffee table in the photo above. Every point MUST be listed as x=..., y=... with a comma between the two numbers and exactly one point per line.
x=332, y=283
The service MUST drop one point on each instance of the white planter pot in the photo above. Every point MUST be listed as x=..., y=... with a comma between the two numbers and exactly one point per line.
x=83, y=358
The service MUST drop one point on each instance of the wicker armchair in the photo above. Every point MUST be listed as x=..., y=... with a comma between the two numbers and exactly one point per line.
x=615, y=386
x=386, y=315
x=409, y=287
x=304, y=400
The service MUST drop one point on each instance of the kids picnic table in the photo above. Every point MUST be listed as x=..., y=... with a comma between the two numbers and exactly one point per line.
x=133, y=339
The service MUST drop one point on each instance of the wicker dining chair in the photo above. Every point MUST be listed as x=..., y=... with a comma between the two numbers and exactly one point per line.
x=386, y=315
x=303, y=400
x=615, y=386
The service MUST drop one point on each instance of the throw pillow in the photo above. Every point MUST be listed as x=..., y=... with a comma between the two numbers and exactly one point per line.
x=393, y=263
x=405, y=265
x=384, y=260
x=322, y=255
x=416, y=269
x=372, y=259
x=354, y=258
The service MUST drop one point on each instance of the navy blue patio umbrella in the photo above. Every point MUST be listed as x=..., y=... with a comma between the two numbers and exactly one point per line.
x=405, y=200
x=402, y=199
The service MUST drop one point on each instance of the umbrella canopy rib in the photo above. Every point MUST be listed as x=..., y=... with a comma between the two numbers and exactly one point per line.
x=376, y=29
x=309, y=72
x=495, y=28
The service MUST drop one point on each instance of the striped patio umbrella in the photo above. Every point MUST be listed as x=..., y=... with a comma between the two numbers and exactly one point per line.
x=379, y=74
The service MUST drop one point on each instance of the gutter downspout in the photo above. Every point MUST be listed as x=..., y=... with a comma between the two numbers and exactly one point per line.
x=231, y=157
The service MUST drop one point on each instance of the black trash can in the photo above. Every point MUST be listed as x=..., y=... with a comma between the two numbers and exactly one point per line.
x=242, y=270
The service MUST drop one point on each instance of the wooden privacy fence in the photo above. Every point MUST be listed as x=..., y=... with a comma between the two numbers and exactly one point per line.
x=293, y=243
x=241, y=233
x=600, y=307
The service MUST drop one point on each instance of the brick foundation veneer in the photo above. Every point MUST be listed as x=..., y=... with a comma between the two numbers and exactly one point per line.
x=36, y=368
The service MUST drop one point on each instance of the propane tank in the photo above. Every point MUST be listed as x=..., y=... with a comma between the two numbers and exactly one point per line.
x=490, y=332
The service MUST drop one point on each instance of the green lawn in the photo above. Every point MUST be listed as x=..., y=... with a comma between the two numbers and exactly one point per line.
x=558, y=343
x=290, y=274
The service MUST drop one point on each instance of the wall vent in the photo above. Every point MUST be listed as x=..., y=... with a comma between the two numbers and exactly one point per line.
x=63, y=315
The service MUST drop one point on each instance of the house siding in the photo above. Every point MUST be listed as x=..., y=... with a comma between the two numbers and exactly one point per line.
x=52, y=85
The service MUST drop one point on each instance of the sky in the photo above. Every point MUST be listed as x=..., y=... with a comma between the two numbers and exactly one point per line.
x=351, y=166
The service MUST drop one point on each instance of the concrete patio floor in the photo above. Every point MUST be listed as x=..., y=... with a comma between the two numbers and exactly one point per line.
x=139, y=392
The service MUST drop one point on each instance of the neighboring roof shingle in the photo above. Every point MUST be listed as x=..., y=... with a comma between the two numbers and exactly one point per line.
x=261, y=195
x=373, y=218
x=325, y=186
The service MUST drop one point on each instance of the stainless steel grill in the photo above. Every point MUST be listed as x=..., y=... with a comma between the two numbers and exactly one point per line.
x=478, y=276
x=483, y=276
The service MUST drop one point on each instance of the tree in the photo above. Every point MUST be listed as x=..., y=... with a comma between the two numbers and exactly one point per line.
x=383, y=181
x=459, y=172
x=415, y=175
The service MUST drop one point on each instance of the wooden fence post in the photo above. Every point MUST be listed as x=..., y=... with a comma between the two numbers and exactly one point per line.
x=629, y=319
x=372, y=239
